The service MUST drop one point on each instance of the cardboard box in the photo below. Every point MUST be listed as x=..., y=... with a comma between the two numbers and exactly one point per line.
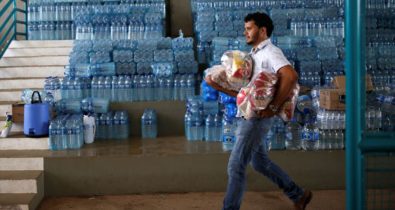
x=340, y=82
x=333, y=99
x=17, y=112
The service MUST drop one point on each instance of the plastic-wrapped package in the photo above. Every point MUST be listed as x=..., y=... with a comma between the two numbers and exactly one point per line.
x=244, y=104
x=263, y=89
x=218, y=75
x=258, y=94
x=238, y=65
x=287, y=109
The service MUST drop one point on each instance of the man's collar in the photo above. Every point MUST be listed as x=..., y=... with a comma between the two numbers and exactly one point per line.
x=260, y=46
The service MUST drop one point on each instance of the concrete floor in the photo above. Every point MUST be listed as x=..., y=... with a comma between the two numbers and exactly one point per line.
x=322, y=200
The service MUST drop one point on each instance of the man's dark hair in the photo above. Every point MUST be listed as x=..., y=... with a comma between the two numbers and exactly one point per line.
x=261, y=20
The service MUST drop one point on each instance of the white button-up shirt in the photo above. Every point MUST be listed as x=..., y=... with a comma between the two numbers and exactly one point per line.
x=266, y=57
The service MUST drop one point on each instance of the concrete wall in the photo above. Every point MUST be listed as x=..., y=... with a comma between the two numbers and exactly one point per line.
x=201, y=172
x=180, y=17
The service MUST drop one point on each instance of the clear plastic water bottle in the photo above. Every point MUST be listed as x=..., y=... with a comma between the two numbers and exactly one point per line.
x=169, y=88
x=121, y=89
x=70, y=132
x=378, y=119
x=127, y=89
x=150, y=88
x=277, y=142
x=182, y=88
x=124, y=129
x=102, y=129
x=293, y=135
x=177, y=87
x=228, y=133
x=209, y=132
x=218, y=127
x=187, y=125
x=149, y=124
x=116, y=125
x=324, y=141
x=109, y=125
x=310, y=136
x=190, y=86
x=79, y=132
x=197, y=127
x=64, y=131
x=53, y=136
x=115, y=89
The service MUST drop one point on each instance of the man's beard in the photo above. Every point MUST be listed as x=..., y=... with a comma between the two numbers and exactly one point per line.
x=251, y=42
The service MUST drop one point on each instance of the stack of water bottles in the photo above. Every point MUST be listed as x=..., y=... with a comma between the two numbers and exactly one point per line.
x=379, y=21
x=218, y=18
x=387, y=105
x=380, y=64
x=112, y=125
x=228, y=104
x=275, y=137
x=118, y=24
x=203, y=120
x=52, y=87
x=149, y=127
x=70, y=19
x=143, y=70
x=317, y=59
x=66, y=132
x=194, y=119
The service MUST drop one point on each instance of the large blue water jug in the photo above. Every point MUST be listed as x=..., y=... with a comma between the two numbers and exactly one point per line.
x=36, y=118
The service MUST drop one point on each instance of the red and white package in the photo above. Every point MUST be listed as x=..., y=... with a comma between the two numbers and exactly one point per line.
x=244, y=104
x=287, y=109
x=263, y=90
x=217, y=74
x=238, y=65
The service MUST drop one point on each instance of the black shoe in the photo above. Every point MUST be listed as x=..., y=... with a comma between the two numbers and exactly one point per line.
x=304, y=200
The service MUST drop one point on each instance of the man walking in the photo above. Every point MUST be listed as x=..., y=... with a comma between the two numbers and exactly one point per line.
x=250, y=132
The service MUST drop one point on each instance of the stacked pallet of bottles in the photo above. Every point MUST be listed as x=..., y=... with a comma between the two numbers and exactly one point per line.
x=65, y=19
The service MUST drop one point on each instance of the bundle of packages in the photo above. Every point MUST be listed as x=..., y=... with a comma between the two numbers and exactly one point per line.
x=217, y=74
x=260, y=92
x=234, y=72
x=238, y=65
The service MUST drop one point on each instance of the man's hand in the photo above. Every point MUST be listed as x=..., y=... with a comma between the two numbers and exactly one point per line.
x=266, y=113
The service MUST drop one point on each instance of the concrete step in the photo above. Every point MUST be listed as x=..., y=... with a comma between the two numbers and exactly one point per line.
x=40, y=44
x=21, y=181
x=34, y=61
x=21, y=189
x=10, y=95
x=37, y=52
x=146, y=166
x=32, y=72
x=20, y=201
x=19, y=142
x=21, y=163
x=35, y=83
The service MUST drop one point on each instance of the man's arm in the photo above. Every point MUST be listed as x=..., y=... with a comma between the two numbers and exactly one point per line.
x=287, y=78
x=219, y=88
